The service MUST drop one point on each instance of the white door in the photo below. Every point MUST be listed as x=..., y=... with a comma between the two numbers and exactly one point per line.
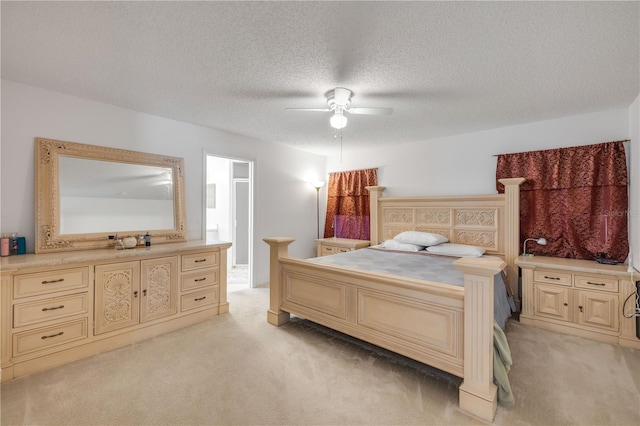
x=241, y=236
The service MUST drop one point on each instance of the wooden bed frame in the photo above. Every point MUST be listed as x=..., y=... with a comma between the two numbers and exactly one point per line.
x=447, y=327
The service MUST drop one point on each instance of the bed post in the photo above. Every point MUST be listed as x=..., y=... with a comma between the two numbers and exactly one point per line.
x=478, y=393
x=375, y=192
x=278, y=247
x=512, y=231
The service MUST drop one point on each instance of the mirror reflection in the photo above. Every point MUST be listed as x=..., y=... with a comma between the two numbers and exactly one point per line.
x=105, y=196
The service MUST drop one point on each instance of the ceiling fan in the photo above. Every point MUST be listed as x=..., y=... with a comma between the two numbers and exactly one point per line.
x=339, y=101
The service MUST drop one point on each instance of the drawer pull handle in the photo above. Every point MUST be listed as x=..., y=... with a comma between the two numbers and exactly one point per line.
x=197, y=299
x=52, y=309
x=565, y=304
x=53, y=335
x=200, y=260
x=53, y=281
x=199, y=279
x=551, y=278
x=592, y=283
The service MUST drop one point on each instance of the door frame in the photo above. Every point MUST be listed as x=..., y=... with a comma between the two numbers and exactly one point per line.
x=251, y=180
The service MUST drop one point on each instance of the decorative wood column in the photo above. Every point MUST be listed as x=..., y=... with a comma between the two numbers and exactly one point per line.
x=375, y=192
x=224, y=303
x=278, y=247
x=6, y=367
x=527, y=296
x=512, y=230
x=478, y=393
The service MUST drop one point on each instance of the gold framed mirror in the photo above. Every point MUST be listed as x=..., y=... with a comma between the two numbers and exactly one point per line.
x=85, y=195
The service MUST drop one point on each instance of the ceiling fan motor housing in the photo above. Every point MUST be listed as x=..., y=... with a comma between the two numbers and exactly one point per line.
x=339, y=99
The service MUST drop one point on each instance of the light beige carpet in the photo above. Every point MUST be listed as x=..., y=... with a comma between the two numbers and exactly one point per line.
x=237, y=369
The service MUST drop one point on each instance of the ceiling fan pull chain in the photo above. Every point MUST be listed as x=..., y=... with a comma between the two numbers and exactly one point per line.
x=340, y=146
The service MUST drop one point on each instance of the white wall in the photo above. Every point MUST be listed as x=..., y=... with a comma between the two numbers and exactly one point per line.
x=634, y=172
x=284, y=202
x=219, y=173
x=465, y=164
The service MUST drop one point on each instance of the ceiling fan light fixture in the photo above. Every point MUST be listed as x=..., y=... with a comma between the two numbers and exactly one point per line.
x=338, y=120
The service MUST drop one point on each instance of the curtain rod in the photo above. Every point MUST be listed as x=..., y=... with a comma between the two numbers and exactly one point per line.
x=344, y=171
x=599, y=143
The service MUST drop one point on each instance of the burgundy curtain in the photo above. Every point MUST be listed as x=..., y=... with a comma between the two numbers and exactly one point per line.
x=575, y=197
x=348, y=204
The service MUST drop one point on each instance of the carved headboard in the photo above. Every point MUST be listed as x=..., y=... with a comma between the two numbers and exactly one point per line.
x=489, y=221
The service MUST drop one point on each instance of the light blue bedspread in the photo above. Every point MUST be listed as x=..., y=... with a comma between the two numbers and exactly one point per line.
x=419, y=266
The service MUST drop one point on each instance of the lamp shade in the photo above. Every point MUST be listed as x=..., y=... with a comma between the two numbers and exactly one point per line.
x=542, y=241
x=338, y=120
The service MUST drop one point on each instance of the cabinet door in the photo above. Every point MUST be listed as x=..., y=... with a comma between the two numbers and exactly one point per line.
x=159, y=286
x=598, y=310
x=552, y=302
x=117, y=289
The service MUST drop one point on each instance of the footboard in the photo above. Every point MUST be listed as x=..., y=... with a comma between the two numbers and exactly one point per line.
x=447, y=327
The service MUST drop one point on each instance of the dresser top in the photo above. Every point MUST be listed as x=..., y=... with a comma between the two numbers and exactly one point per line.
x=575, y=265
x=32, y=260
x=344, y=242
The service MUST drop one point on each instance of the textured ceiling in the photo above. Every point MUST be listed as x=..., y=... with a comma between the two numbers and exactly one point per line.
x=444, y=67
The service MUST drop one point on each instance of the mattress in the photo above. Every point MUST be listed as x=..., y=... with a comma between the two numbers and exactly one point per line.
x=422, y=266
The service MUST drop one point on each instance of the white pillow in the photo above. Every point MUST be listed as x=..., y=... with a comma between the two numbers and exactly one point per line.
x=397, y=245
x=460, y=250
x=420, y=238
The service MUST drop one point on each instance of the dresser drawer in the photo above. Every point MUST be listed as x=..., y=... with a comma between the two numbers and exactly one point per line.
x=200, y=298
x=48, y=337
x=329, y=246
x=49, y=309
x=552, y=277
x=199, y=260
x=327, y=250
x=596, y=283
x=203, y=278
x=49, y=282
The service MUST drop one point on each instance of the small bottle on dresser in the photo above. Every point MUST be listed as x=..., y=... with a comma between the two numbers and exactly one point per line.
x=13, y=243
x=5, y=245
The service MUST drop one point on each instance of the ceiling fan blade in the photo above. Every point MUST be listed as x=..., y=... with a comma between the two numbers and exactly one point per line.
x=371, y=111
x=310, y=109
x=341, y=95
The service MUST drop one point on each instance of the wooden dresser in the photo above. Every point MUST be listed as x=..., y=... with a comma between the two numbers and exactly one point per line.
x=579, y=297
x=59, y=307
x=327, y=246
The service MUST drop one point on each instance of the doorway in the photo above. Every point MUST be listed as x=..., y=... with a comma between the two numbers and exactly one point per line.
x=229, y=215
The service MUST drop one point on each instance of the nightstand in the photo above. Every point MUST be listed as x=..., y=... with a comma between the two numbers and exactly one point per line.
x=327, y=246
x=579, y=297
